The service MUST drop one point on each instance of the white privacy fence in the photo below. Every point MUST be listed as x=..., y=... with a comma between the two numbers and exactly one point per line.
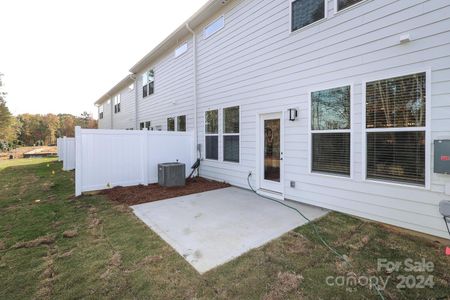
x=66, y=152
x=59, y=145
x=108, y=158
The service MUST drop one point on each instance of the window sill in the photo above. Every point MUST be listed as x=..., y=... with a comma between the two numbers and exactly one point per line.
x=232, y=163
x=397, y=184
x=329, y=175
x=210, y=160
x=148, y=96
x=297, y=31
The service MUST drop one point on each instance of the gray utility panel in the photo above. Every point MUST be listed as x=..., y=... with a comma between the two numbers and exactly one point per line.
x=172, y=174
x=442, y=156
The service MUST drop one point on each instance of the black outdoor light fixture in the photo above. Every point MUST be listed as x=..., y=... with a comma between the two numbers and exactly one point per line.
x=293, y=114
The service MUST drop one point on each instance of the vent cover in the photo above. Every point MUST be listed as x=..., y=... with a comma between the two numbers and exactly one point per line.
x=171, y=174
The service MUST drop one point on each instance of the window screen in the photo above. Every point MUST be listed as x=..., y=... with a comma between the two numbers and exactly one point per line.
x=330, y=124
x=305, y=12
x=212, y=147
x=181, y=123
x=231, y=134
x=331, y=153
x=396, y=156
x=212, y=134
x=343, y=4
x=396, y=102
x=231, y=148
x=170, y=124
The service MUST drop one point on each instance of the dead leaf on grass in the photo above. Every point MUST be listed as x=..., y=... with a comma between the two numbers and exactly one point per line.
x=114, y=263
x=360, y=244
x=66, y=254
x=2, y=245
x=94, y=222
x=44, y=240
x=122, y=208
x=146, y=261
x=116, y=259
x=70, y=233
x=56, y=224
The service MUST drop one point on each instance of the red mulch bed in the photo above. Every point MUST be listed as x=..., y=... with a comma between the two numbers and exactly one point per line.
x=154, y=192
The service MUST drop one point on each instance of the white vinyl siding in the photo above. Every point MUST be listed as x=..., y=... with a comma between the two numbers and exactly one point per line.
x=125, y=119
x=174, y=91
x=261, y=68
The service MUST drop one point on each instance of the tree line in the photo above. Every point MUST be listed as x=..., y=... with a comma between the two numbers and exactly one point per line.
x=38, y=130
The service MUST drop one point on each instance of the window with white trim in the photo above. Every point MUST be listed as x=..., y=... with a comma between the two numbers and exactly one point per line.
x=343, y=4
x=100, y=111
x=395, y=129
x=148, y=83
x=117, y=104
x=180, y=50
x=212, y=134
x=330, y=131
x=306, y=12
x=181, y=123
x=170, y=124
x=214, y=27
x=231, y=134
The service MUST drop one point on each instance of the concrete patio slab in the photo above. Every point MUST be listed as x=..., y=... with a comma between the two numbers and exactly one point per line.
x=211, y=228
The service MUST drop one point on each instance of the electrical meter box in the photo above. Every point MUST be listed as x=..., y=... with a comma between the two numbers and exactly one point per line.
x=442, y=156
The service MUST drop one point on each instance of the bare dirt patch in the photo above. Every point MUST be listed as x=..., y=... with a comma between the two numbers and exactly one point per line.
x=286, y=283
x=154, y=192
x=70, y=234
x=44, y=240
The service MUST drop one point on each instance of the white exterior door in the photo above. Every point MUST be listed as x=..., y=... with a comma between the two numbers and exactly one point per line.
x=271, y=152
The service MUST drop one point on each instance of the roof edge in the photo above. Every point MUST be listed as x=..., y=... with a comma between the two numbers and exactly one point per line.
x=206, y=11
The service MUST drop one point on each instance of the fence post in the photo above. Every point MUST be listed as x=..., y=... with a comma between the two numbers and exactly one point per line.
x=65, y=153
x=78, y=161
x=144, y=140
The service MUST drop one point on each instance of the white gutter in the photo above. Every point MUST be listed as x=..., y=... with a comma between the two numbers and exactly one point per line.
x=194, y=50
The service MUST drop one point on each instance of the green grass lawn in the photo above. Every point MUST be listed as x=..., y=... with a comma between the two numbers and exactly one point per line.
x=114, y=255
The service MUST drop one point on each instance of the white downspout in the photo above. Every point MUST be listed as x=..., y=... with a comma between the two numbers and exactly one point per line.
x=136, y=112
x=111, y=108
x=194, y=46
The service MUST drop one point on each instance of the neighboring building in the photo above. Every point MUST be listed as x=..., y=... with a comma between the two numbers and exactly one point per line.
x=369, y=80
